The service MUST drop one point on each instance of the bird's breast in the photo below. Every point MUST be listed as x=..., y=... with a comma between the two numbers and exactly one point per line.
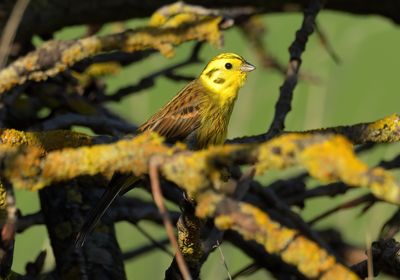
x=214, y=124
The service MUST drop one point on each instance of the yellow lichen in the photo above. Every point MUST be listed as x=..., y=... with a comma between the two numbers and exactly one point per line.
x=253, y=224
x=163, y=39
x=47, y=140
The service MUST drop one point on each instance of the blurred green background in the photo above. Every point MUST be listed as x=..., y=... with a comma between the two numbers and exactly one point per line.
x=364, y=87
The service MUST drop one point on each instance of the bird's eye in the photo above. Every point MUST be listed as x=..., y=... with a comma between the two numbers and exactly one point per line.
x=228, y=66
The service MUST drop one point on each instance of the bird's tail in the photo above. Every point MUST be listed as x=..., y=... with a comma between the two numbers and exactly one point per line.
x=117, y=184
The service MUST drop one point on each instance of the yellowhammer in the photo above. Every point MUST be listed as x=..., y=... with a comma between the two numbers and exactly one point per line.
x=198, y=115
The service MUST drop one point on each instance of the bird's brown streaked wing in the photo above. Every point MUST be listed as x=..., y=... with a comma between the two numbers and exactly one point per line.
x=181, y=116
x=175, y=121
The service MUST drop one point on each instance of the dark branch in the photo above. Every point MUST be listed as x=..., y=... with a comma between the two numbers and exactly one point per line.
x=48, y=17
x=283, y=106
x=385, y=254
x=149, y=81
x=27, y=221
x=144, y=249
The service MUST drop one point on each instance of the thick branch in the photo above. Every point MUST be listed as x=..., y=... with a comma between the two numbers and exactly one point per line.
x=385, y=130
x=325, y=157
x=56, y=56
x=253, y=224
x=50, y=16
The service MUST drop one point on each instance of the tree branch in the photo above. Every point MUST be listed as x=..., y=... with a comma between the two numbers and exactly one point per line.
x=283, y=105
x=51, y=16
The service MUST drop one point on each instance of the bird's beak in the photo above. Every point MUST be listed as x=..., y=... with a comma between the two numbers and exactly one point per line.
x=247, y=67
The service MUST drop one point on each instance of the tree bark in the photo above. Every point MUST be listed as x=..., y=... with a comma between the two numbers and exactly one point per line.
x=45, y=17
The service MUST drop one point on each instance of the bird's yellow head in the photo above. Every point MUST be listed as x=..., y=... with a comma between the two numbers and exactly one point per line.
x=225, y=74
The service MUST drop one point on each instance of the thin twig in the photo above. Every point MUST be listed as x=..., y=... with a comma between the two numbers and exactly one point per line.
x=149, y=80
x=247, y=270
x=370, y=260
x=331, y=190
x=223, y=260
x=153, y=241
x=349, y=204
x=159, y=200
x=326, y=43
x=283, y=105
x=10, y=30
x=391, y=227
x=145, y=249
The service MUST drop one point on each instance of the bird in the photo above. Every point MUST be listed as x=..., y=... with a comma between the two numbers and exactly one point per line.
x=198, y=115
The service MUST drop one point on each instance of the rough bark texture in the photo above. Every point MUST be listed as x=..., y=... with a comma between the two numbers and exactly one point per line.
x=49, y=16
x=101, y=257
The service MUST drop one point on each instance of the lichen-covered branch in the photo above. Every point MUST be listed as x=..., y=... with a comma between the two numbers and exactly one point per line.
x=253, y=224
x=57, y=56
x=45, y=141
x=325, y=157
x=385, y=130
x=48, y=17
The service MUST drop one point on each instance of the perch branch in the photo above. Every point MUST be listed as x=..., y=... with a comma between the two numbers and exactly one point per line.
x=325, y=157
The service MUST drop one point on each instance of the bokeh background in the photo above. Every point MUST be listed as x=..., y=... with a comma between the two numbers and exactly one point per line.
x=363, y=87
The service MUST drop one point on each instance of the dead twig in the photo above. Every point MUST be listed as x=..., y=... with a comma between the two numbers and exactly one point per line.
x=158, y=199
x=223, y=260
x=349, y=204
x=153, y=241
x=10, y=30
